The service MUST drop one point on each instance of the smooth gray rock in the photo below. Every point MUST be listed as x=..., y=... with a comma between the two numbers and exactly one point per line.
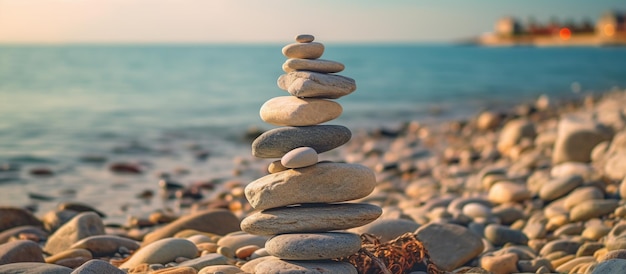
x=313, y=246
x=206, y=260
x=449, y=246
x=276, y=142
x=20, y=251
x=15, y=216
x=310, y=218
x=316, y=85
x=16, y=231
x=586, y=210
x=311, y=50
x=162, y=252
x=321, y=183
x=387, y=229
x=34, y=268
x=304, y=38
x=577, y=136
x=500, y=235
x=559, y=187
x=81, y=226
x=316, y=65
x=96, y=266
x=276, y=265
x=613, y=266
x=105, y=245
x=294, y=111
x=565, y=245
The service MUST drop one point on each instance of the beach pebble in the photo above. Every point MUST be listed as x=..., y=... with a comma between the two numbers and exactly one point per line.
x=311, y=50
x=613, y=254
x=565, y=245
x=275, y=265
x=588, y=209
x=222, y=269
x=175, y=270
x=500, y=235
x=69, y=254
x=622, y=189
x=477, y=210
x=568, y=266
x=310, y=84
x=294, y=111
x=488, y=120
x=15, y=232
x=310, y=218
x=535, y=230
x=502, y=264
x=305, y=38
x=14, y=217
x=612, y=266
x=34, y=268
x=79, y=207
x=577, y=136
x=54, y=219
x=559, y=187
x=595, y=231
x=299, y=157
x=387, y=229
x=324, y=183
x=316, y=65
x=161, y=252
x=514, y=132
x=236, y=240
x=249, y=267
x=275, y=167
x=246, y=251
x=506, y=191
x=218, y=221
x=206, y=260
x=106, y=245
x=531, y=266
x=276, y=142
x=582, y=194
x=440, y=238
x=313, y=246
x=20, y=251
x=588, y=249
x=615, y=167
x=81, y=226
x=96, y=266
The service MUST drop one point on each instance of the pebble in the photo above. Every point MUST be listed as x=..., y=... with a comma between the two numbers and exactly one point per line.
x=506, y=191
x=313, y=246
x=440, y=238
x=310, y=218
x=477, y=210
x=586, y=210
x=245, y=252
x=14, y=217
x=326, y=183
x=34, y=268
x=299, y=157
x=275, y=265
x=161, y=252
x=105, y=245
x=239, y=239
x=582, y=194
x=615, y=167
x=96, y=266
x=81, y=226
x=310, y=84
x=502, y=264
x=577, y=136
x=249, y=267
x=79, y=207
x=20, y=251
x=387, y=229
x=514, y=132
x=14, y=232
x=305, y=38
x=223, y=269
x=176, y=270
x=218, y=221
x=311, y=50
x=568, y=266
x=294, y=111
x=206, y=260
x=275, y=167
x=567, y=246
x=68, y=254
x=317, y=65
x=500, y=235
x=276, y=142
x=612, y=266
x=559, y=187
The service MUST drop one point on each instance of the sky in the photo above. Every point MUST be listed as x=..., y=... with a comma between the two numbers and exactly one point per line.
x=269, y=21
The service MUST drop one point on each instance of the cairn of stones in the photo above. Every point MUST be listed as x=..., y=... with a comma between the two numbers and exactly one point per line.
x=301, y=203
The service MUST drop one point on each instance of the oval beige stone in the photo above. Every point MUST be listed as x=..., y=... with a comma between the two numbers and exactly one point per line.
x=310, y=218
x=299, y=157
x=305, y=38
x=313, y=246
x=294, y=111
x=320, y=183
x=586, y=210
x=314, y=84
x=316, y=65
x=312, y=50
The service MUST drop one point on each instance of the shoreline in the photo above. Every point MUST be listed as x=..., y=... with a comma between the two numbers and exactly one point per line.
x=485, y=171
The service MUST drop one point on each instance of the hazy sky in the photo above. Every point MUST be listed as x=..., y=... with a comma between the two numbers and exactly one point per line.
x=262, y=21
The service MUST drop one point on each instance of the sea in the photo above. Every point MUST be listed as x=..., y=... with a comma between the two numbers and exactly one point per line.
x=73, y=110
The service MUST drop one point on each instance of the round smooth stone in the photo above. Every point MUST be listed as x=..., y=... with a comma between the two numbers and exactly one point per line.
x=275, y=265
x=586, y=210
x=161, y=252
x=310, y=218
x=313, y=246
x=311, y=50
x=305, y=38
x=500, y=235
x=320, y=183
x=276, y=142
x=275, y=167
x=105, y=245
x=294, y=111
x=313, y=84
x=299, y=157
x=316, y=65
x=506, y=192
x=559, y=187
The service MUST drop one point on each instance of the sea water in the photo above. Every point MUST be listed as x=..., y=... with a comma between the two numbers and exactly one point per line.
x=155, y=103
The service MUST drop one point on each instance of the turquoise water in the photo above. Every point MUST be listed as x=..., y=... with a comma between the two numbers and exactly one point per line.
x=149, y=102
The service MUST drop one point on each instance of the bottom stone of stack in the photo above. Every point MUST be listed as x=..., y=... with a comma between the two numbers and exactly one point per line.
x=313, y=246
x=304, y=267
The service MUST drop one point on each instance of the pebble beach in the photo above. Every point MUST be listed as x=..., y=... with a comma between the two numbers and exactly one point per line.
x=538, y=188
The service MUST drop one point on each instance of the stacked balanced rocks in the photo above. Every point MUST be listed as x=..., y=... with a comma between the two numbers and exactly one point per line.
x=301, y=202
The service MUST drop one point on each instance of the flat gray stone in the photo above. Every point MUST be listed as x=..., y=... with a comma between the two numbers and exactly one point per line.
x=96, y=266
x=305, y=38
x=449, y=246
x=81, y=226
x=316, y=65
x=612, y=266
x=294, y=111
x=162, y=252
x=310, y=218
x=500, y=235
x=34, y=268
x=20, y=251
x=311, y=50
x=275, y=265
x=276, y=142
x=313, y=246
x=320, y=183
x=313, y=84
x=105, y=245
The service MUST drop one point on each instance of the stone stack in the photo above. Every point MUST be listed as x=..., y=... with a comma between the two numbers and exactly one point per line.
x=301, y=202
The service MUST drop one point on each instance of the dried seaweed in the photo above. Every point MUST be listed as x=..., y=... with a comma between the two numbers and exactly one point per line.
x=400, y=255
